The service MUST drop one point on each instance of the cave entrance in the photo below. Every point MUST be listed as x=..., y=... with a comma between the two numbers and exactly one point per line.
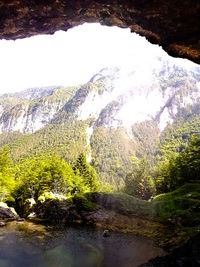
x=105, y=111
x=106, y=78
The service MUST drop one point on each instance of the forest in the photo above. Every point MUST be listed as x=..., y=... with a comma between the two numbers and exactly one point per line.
x=49, y=175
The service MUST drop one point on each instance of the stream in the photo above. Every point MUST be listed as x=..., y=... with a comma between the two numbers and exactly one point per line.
x=24, y=244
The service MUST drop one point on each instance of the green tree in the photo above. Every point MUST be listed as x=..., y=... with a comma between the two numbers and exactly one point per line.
x=43, y=174
x=87, y=172
x=139, y=182
x=6, y=175
x=180, y=168
x=4, y=159
x=165, y=174
x=188, y=162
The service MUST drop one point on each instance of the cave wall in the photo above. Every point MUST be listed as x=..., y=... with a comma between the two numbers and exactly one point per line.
x=173, y=24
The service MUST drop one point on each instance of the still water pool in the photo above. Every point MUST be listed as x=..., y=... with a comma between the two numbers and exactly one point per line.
x=24, y=244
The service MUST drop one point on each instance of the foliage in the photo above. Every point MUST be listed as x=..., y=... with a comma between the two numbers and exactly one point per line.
x=139, y=182
x=111, y=154
x=188, y=161
x=116, y=152
x=179, y=169
x=136, y=205
x=40, y=174
x=176, y=137
x=68, y=140
x=8, y=138
x=6, y=176
x=88, y=173
x=163, y=174
x=183, y=203
x=50, y=175
x=146, y=139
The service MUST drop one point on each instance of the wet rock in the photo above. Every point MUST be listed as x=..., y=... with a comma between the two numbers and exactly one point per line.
x=28, y=206
x=21, y=220
x=31, y=215
x=56, y=211
x=106, y=233
x=99, y=216
x=7, y=213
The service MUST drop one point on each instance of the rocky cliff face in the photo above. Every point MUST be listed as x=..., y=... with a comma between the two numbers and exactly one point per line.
x=116, y=97
x=28, y=119
x=35, y=108
x=113, y=97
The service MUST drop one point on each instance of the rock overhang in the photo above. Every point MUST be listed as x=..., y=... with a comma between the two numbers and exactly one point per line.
x=173, y=24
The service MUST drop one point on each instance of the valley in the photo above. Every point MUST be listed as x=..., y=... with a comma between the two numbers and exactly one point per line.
x=119, y=153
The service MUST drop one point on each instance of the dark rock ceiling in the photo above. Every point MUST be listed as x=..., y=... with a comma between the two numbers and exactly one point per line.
x=173, y=24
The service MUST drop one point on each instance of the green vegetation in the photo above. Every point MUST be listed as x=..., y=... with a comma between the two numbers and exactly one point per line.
x=113, y=161
x=133, y=164
x=111, y=154
x=87, y=172
x=176, y=137
x=179, y=206
x=146, y=136
x=6, y=176
x=133, y=204
x=68, y=140
x=179, y=169
x=44, y=176
x=9, y=138
x=139, y=183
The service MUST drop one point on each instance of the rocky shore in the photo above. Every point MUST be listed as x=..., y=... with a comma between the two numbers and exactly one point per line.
x=105, y=211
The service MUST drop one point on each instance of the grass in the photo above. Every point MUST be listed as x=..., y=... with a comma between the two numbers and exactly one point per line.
x=183, y=203
x=135, y=205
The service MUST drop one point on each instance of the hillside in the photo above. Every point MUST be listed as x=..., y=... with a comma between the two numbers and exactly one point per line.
x=32, y=109
x=113, y=118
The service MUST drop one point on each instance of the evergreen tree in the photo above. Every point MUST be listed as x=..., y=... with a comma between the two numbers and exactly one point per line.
x=179, y=169
x=87, y=172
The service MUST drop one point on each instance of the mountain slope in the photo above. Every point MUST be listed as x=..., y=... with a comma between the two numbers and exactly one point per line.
x=118, y=115
x=28, y=116
x=117, y=98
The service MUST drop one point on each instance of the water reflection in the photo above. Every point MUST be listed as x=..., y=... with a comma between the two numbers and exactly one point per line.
x=29, y=244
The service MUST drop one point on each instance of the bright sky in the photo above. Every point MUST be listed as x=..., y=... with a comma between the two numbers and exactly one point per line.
x=68, y=58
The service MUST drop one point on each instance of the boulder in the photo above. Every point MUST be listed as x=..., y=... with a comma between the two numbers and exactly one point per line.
x=7, y=212
x=109, y=202
x=56, y=211
x=98, y=208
